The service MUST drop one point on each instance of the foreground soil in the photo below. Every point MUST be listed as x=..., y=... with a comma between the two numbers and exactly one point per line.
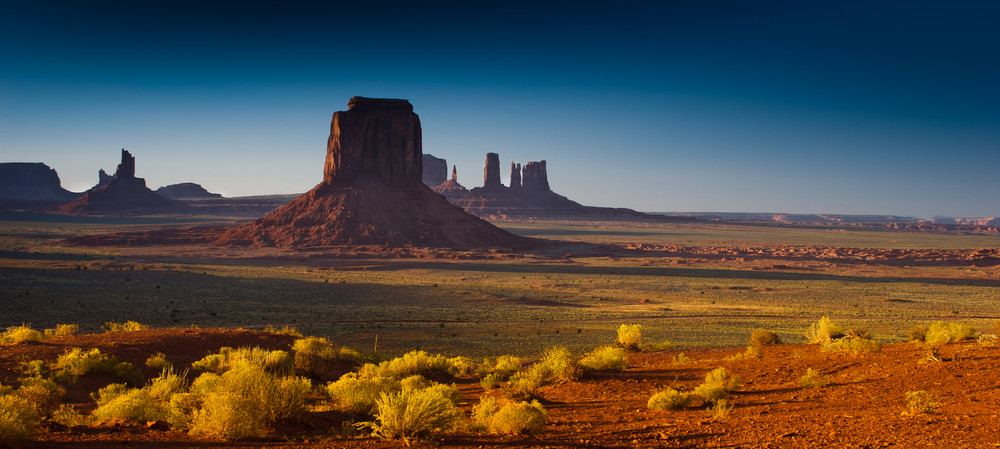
x=861, y=406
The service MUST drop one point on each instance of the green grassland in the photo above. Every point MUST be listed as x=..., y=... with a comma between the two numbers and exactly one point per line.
x=490, y=306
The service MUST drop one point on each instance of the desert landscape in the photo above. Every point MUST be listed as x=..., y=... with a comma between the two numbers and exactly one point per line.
x=292, y=225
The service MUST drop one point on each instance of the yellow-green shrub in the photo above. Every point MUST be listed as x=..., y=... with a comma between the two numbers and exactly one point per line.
x=128, y=326
x=62, y=330
x=149, y=403
x=159, y=361
x=718, y=383
x=18, y=334
x=604, y=358
x=630, y=336
x=75, y=362
x=669, y=399
x=918, y=402
x=413, y=362
x=852, y=344
x=18, y=419
x=763, y=337
x=813, y=379
x=509, y=417
x=68, y=416
x=44, y=394
x=414, y=413
x=824, y=331
x=227, y=357
x=355, y=394
x=941, y=332
x=557, y=364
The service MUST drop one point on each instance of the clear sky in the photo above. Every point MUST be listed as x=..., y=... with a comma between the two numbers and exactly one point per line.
x=767, y=106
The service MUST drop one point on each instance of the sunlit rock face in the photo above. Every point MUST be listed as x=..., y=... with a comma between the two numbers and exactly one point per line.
x=372, y=192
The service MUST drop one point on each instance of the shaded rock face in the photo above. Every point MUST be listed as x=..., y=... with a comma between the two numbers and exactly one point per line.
x=124, y=195
x=31, y=181
x=435, y=170
x=491, y=171
x=379, y=138
x=451, y=189
x=535, y=177
x=186, y=190
x=103, y=178
x=372, y=193
x=515, y=175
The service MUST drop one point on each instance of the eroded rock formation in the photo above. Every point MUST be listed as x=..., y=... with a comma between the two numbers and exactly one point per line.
x=372, y=192
x=123, y=195
x=451, y=189
x=491, y=171
x=103, y=178
x=536, y=180
x=515, y=175
x=31, y=181
x=435, y=170
x=186, y=190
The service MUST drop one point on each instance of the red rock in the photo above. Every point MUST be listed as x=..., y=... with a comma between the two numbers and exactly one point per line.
x=123, y=195
x=491, y=172
x=435, y=170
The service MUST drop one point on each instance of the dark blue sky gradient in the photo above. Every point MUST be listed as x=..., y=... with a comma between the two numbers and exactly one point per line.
x=779, y=106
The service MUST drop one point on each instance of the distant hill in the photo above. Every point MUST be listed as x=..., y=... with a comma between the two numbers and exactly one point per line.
x=185, y=190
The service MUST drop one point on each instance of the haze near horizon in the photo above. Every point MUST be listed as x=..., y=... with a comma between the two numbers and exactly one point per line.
x=776, y=106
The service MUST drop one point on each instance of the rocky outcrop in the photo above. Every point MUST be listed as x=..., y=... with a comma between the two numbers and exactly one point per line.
x=103, y=178
x=515, y=175
x=124, y=195
x=435, y=170
x=372, y=192
x=32, y=181
x=451, y=189
x=536, y=180
x=491, y=171
x=529, y=196
x=187, y=191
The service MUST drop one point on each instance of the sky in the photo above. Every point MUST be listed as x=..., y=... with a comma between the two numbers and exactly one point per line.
x=839, y=107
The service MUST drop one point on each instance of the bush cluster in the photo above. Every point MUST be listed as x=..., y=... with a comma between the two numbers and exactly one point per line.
x=604, y=358
x=508, y=417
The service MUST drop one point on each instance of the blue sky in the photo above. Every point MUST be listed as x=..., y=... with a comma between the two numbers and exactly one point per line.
x=701, y=105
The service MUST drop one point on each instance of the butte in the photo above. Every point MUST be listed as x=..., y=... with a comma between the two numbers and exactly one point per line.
x=372, y=193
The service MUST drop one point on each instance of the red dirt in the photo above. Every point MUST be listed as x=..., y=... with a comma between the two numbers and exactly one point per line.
x=861, y=407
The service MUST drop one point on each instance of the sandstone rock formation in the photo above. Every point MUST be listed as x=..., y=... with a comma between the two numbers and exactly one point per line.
x=529, y=196
x=103, y=178
x=491, y=171
x=451, y=189
x=435, y=170
x=124, y=195
x=186, y=190
x=32, y=181
x=372, y=192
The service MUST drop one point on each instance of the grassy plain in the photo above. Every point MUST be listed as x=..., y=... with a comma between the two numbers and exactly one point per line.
x=493, y=304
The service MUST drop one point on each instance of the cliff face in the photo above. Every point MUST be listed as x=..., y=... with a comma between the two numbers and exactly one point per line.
x=378, y=138
x=31, y=181
x=435, y=170
x=125, y=194
x=372, y=192
x=186, y=190
x=491, y=171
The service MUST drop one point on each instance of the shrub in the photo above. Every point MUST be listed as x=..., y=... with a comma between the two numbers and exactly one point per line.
x=852, y=344
x=413, y=362
x=491, y=381
x=813, y=379
x=128, y=326
x=275, y=361
x=752, y=352
x=245, y=399
x=18, y=419
x=159, y=361
x=762, y=337
x=721, y=408
x=988, y=340
x=508, y=417
x=669, y=399
x=315, y=355
x=604, y=358
x=75, y=362
x=19, y=334
x=680, y=359
x=918, y=333
x=414, y=413
x=940, y=333
x=557, y=364
x=920, y=401
x=62, y=330
x=718, y=383
x=657, y=347
x=354, y=394
x=149, y=403
x=630, y=336
x=823, y=331
x=505, y=366
x=284, y=330
x=69, y=417
x=44, y=394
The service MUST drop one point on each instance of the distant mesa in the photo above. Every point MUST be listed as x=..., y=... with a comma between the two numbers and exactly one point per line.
x=435, y=170
x=185, y=191
x=123, y=195
x=32, y=181
x=103, y=179
x=528, y=196
x=372, y=192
